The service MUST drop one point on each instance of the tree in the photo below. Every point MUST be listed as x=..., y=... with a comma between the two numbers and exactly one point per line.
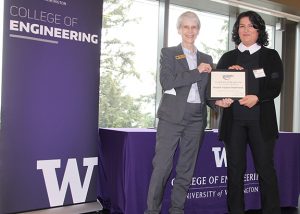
x=217, y=51
x=116, y=108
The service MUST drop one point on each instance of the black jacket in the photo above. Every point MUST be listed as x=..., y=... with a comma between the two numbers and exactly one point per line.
x=269, y=89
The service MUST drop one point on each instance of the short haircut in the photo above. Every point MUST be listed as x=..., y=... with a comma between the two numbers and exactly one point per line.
x=189, y=15
x=257, y=22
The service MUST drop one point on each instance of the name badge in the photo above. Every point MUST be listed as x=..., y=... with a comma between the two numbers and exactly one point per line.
x=259, y=73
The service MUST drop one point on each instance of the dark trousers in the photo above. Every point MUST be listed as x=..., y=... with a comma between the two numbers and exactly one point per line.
x=187, y=136
x=244, y=132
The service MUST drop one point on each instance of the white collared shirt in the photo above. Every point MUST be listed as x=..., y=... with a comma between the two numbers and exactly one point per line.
x=252, y=49
x=191, y=57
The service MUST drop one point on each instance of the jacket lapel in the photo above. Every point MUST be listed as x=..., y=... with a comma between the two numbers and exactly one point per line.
x=181, y=58
x=198, y=58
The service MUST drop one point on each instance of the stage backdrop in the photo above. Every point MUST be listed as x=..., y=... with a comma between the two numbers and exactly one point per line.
x=49, y=131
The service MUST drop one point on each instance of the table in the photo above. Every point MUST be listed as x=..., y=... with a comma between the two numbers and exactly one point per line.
x=126, y=165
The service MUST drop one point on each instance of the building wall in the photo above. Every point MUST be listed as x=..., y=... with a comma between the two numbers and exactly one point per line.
x=290, y=3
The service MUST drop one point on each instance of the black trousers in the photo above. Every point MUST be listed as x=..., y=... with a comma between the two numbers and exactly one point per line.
x=244, y=132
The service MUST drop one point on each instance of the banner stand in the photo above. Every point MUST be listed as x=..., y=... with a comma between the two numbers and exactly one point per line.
x=77, y=208
x=49, y=106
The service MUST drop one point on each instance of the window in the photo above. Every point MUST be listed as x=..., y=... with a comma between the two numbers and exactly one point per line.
x=129, y=50
x=128, y=63
x=129, y=58
x=271, y=32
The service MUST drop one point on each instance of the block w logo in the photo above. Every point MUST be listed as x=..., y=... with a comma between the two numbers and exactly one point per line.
x=71, y=177
x=220, y=156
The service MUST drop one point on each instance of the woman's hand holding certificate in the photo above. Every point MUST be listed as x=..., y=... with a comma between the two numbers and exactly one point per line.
x=204, y=67
x=225, y=103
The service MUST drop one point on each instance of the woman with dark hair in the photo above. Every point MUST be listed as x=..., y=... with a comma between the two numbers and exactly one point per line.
x=252, y=119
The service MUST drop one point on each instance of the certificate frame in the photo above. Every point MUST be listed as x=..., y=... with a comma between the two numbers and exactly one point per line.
x=226, y=83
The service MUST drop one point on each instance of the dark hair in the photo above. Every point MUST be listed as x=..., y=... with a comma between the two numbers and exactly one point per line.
x=257, y=22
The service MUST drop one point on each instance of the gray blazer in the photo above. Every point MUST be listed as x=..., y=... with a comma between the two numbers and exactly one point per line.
x=175, y=73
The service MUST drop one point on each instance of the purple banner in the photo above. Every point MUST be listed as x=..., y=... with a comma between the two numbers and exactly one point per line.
x=49, y=127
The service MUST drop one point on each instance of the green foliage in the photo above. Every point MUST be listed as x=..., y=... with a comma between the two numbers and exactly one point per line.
x=216, y=52
x=116, y=108
x=114, y=13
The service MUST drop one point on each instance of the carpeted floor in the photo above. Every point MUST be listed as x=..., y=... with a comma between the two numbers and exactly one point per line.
x=286, y=210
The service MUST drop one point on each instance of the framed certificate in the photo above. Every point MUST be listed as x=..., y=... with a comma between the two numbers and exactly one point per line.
x=227, y=84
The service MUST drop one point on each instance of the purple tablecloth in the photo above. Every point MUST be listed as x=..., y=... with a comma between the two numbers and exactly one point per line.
x=125, y=170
